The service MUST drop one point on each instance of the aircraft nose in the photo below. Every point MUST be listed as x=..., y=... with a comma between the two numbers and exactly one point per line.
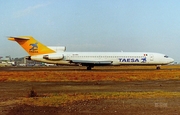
x=171, y=60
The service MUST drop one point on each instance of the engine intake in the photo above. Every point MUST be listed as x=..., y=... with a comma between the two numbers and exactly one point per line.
x=58, y=48
x=28, y=57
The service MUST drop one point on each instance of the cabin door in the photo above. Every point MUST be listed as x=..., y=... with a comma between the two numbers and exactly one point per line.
x=151, y=57
x=67, y=57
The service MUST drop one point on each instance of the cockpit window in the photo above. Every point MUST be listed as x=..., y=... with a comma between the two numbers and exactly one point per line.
x=166, y=56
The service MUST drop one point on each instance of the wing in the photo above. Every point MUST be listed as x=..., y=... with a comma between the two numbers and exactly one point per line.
x=88, y=62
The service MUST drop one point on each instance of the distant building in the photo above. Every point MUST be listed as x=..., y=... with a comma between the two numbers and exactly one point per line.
x=7, y=60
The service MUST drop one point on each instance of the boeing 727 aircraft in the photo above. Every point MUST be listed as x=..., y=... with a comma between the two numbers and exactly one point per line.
x=57, y=55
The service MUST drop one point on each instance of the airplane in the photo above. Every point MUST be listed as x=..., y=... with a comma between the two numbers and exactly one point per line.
x=57, y=55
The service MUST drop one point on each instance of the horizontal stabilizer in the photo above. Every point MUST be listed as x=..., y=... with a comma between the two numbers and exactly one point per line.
x=18, y=38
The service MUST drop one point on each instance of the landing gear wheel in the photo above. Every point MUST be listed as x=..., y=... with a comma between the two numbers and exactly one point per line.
x=88, y=67
x=158, y=67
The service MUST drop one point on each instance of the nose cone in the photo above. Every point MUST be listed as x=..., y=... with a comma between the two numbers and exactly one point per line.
x=171, y=60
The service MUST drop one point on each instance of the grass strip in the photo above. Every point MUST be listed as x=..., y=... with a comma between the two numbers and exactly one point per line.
x=56, y=100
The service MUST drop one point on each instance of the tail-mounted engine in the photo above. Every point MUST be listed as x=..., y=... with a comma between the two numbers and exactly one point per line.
x=58, y=48
x=53, y=57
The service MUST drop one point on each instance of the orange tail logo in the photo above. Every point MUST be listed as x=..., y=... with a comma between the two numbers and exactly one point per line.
x=32, y=46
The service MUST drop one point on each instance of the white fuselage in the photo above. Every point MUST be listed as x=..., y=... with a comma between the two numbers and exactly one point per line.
x=117, y=58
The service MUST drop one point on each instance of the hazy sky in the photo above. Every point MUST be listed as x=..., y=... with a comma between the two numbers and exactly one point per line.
x=93, y=25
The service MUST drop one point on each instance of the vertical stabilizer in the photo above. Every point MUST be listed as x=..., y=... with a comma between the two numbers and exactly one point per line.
x=32, y=46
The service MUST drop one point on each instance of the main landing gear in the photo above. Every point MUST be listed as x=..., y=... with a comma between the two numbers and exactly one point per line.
x=158, y=67
x=89, y=67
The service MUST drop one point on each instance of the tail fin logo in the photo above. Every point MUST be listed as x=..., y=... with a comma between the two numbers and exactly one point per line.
x=34, y=48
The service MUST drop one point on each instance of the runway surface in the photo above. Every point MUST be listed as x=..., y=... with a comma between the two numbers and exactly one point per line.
x=82, y=68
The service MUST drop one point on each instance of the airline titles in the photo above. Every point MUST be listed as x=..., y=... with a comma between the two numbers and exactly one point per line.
x=128, y=60
x=143, y=60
